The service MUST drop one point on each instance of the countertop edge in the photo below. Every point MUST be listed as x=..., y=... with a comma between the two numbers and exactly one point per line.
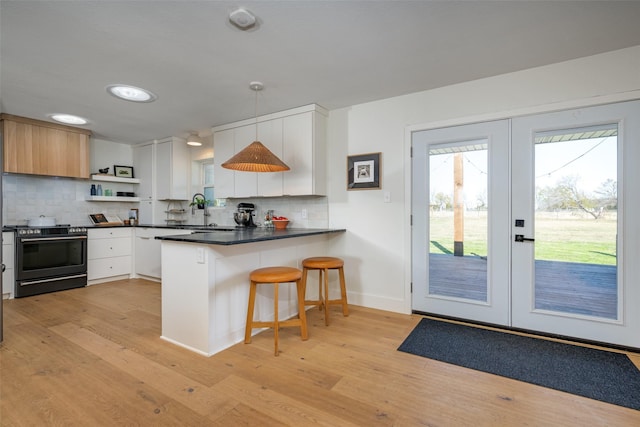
x=227, y=238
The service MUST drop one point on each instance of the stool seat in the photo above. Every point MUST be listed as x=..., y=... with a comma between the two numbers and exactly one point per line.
x=323, y=264
x=275, y=276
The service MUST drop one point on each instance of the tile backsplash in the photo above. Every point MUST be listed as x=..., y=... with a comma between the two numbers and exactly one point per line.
x=26, y=197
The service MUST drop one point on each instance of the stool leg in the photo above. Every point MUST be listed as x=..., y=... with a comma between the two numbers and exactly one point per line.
x=326, y=295
x=343, y=291
x=301, y=311
x=252, y=300
x=275, y=316
x=321, y=300
x=304, y=282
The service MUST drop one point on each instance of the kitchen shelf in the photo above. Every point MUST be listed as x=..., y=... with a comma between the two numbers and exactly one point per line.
x=112, y=199
x=175, y=213
x=111, y=178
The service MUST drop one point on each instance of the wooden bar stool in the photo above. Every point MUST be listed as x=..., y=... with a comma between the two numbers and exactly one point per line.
x=275, y=276
x=323, y=265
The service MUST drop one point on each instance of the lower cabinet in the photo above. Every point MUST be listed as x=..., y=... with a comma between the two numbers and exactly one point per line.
x=147, y=250
x=8, y=259
x=109, y=254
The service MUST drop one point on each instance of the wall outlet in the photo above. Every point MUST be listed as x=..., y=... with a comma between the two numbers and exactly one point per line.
x=304, y=214
x=200, y=255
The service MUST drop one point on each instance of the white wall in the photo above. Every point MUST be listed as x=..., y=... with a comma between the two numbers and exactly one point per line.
x=376, y=246
x=105, y=153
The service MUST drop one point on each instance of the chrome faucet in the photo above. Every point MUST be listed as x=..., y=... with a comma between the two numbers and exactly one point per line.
x=194, y=204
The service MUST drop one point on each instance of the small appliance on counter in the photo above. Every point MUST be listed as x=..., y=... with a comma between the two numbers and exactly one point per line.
x=244, y=215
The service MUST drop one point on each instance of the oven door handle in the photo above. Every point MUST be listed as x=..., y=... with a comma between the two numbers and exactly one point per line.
x=55, y=279
x=45, y=239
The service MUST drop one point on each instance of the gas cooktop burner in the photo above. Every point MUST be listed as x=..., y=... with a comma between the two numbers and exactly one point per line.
x=53, y=230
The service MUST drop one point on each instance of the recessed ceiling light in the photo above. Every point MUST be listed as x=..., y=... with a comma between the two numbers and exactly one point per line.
x=131, y=93
x=69, y=119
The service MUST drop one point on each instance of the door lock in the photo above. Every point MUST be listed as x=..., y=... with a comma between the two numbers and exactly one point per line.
x=521, y=238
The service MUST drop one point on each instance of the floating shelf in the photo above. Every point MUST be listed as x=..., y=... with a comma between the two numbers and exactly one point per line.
x=112, y=199
x=112, y=178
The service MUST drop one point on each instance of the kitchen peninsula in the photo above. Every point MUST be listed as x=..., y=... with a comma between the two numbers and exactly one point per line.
x=205, y=281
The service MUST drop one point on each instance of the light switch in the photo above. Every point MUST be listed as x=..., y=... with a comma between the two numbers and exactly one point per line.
x=387, y=196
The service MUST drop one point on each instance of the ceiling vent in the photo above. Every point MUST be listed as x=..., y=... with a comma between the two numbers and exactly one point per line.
x=242, y=18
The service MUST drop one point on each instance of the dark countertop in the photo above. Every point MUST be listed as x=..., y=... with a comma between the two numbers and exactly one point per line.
x=220, y=236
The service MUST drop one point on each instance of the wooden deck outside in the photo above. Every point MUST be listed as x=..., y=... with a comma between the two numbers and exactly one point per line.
x=567, y=287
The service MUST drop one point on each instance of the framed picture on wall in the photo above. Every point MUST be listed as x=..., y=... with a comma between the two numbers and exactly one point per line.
x=123, y=171
x=363, y=172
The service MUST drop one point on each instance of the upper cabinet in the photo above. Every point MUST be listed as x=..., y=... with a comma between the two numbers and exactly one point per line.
x=143, y=167
x=163, y=169
x=172, y=169
x=297, y=136
x=41, y=148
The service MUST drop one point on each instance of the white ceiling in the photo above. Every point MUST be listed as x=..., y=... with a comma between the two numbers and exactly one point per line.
x=58, y=56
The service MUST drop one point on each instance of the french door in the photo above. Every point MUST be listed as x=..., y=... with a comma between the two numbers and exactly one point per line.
x=560, y=248
x=460, y=208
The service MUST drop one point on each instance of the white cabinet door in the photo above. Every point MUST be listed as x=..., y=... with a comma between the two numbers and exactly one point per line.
x=304, y=152
x=172, y=168
x=246, y=183
x=8, y=257
x=147, y=255
x=148, y=250
x=223, y=150
x=108, y=267
x=107, y=248
x=270, y=134
x=143, y=170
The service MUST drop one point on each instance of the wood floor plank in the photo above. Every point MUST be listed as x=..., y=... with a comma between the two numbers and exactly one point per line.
x=185, y=390
x=93, y=356
x=278, y=406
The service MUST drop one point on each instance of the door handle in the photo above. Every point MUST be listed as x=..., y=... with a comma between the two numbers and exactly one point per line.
x=521, y=238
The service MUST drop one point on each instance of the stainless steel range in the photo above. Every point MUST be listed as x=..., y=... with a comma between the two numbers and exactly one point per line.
x=50, y=259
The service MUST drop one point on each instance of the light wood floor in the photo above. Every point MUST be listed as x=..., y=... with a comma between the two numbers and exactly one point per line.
x=93, y=357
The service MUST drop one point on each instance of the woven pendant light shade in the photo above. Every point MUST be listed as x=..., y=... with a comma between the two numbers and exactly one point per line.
x=255, y=158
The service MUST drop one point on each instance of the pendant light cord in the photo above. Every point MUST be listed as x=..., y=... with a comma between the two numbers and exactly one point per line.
x=256, y=112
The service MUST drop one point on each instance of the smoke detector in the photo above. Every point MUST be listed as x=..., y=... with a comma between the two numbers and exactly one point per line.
x=242, y=18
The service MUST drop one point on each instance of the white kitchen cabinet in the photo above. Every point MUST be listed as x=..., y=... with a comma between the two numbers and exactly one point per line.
x=172, y=169
x=109, y=253
x=147, y=250
x=143, y=170
x=223, y=150
x=8, y=259
x=246, y=183
x=270, y=134
x=304, y=151
x=297, y=136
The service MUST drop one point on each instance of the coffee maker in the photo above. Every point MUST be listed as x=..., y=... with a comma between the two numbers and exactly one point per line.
x=244, y=215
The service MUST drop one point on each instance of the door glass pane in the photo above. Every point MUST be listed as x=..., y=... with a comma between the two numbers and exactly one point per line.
x=576, y=221
x=458, y=220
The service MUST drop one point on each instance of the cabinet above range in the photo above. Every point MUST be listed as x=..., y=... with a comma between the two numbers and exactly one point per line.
x=36, y=147
x=296, y=136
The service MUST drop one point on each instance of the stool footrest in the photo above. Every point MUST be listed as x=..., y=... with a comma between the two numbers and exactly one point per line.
x=281, y=323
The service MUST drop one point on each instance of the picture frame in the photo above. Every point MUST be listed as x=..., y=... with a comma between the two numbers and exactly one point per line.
x=363, y=172
x=123, y=171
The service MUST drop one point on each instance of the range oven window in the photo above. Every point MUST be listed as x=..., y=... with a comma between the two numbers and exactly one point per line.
x=50, y=253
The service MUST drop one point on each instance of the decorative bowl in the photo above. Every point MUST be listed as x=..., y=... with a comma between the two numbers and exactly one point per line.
x=280, y=224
